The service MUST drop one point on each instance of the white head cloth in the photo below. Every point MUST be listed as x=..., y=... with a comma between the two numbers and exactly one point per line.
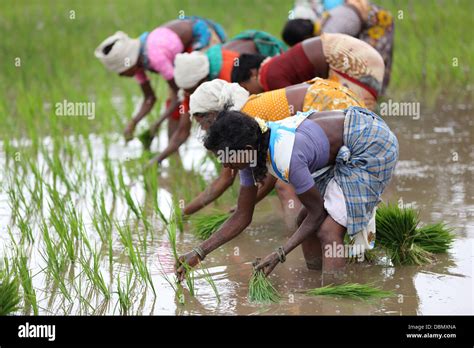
x=214, y=95
x=190, y=68
x=123, y=54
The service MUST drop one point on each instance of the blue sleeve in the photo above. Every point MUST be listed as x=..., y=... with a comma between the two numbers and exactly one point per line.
x=246, y=177
x=201, y=34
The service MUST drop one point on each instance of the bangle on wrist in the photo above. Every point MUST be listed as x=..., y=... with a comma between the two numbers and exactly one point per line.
x=200, y=253
x=281, y=254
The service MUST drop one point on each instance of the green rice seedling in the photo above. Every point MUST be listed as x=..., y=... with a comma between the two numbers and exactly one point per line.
x=151, y=183
x=55, y=259
x=171, y=229
x=76, y=228
x=9, y=291
x=98, y=277
x=21, y=263
x=436, y=238
x=177, y=215
x=126, y=193
x=100, y=218
x=95, y=275
x=13, y=201
x=124, y=293
x=25, y=229
x=17, y=199
x=61, y=227
x=56, y=167
x=396, y=233
x=110, y=173
x=37, y=191
x=205, y=225
x=189, y=273
x=134, y=255
x=261, y=289
x=210, y=281
x=189, y=279
x=351, y=291
x=146, y=223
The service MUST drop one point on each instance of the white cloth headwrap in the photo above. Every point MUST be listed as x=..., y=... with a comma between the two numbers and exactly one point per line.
x=123, y=55
x=214, y=95
x=190, y=68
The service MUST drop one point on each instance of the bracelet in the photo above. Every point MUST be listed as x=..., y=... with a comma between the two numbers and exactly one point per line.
x=200, y=253
x=281, y=254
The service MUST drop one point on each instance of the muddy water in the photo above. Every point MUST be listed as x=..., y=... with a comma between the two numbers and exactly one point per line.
x=434, y=174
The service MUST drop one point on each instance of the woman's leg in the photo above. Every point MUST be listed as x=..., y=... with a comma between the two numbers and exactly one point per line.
x=331, y=237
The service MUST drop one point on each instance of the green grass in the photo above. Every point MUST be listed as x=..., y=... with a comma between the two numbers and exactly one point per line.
x=261, y=289
x=204, y=225
x=352, y=291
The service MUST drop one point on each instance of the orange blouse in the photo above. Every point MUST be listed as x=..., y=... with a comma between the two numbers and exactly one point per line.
x=269, y=106
x=228, y=59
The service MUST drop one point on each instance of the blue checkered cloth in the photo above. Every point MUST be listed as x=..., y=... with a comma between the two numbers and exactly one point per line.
x=364, y=165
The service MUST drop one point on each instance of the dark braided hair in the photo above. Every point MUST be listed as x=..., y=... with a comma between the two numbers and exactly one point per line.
x=235, y=130
x=247, y=62
x=297, y=30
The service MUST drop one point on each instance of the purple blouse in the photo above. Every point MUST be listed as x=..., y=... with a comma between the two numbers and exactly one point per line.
x=310, y=153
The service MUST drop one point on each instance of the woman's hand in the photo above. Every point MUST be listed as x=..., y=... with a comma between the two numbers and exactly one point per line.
x=191, y=259
x=128, y=132
x=268, y=263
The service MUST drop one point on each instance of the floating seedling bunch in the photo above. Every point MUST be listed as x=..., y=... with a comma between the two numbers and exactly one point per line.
x=352, y=291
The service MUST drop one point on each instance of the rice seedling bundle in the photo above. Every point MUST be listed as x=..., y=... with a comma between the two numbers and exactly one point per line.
x=261, y=289
x=9, y=291
x=396, y=233
x=146, y=138
x=351, y=291
x=205, y=225
x=436, y=238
